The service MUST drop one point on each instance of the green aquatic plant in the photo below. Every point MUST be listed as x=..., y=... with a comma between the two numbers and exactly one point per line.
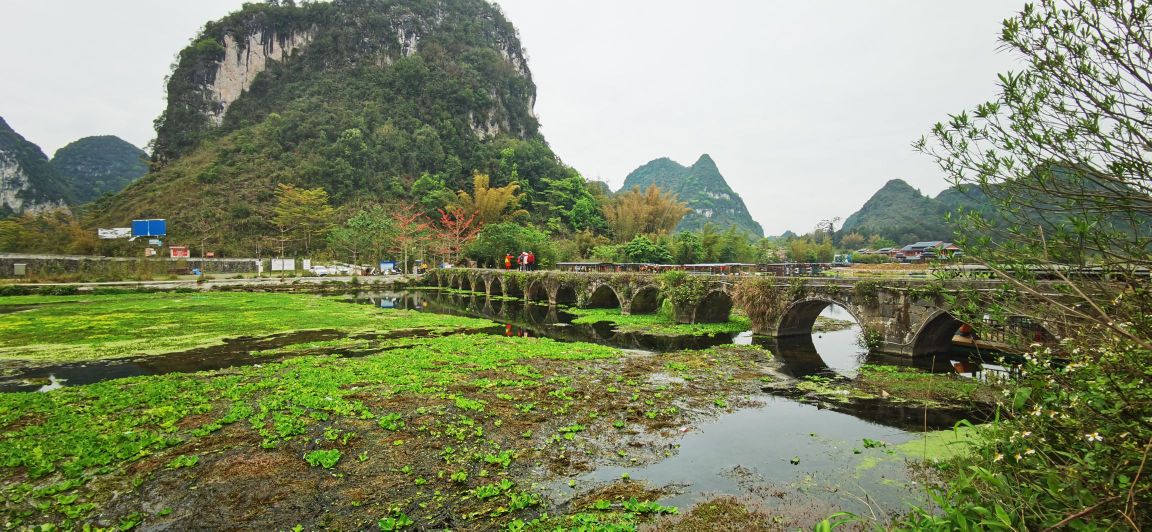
x=184, y=460
x=325, y=458
x=118, y=326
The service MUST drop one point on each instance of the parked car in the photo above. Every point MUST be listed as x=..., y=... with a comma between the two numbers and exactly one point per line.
x=320, y=271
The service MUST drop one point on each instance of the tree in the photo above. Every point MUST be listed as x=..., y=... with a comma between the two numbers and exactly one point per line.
x=411, y=232
x=1062, y=156
x=641, y=249
x=686, y=248
x=496, y=240
x=489, y=204
x=432, y=193
x=652, y=212
x=205, y=223
x=454, y=230
x=826, y=229
x=768, y=252
x=570, y=201
x=852, y=241
x=47, y=232
x=368, y=232
x=735, y=247
x=301, y=211
x=709, y=243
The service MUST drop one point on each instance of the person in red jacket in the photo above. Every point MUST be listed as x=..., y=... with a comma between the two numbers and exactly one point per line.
x=508, y=261
x=531, y=261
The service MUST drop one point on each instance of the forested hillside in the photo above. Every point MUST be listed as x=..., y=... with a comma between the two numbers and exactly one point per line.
x=373, y=101
x=901, y=214
x=94, y=166
x=702, y=188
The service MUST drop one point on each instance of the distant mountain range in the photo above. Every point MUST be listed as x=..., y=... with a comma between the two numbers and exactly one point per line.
x=902, y=214
x=79, y=172
x=702, y=188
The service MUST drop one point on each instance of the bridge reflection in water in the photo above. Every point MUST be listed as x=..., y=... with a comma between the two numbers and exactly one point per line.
x=907, y=317
x=833, y=354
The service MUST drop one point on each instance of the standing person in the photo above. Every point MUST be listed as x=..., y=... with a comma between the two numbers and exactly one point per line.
x=522, y=260
x=531, y=261
x=508, y=261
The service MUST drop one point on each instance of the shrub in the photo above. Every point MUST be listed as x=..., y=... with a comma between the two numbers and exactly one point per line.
x=763, y=300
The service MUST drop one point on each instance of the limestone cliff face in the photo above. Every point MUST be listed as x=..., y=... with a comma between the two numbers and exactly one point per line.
x=14, y=184
x=28, y=184
x=242, y=62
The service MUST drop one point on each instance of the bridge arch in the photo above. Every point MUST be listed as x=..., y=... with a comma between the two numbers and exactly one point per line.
x=564, y=295
x=536, y=291
x=935, y=336
x=799, y=317
x=603, y=296
x=513, y=286
x=646, y=300
x=495, y=287
x=716, y=307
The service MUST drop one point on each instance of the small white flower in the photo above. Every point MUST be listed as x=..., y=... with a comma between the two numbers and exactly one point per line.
x=1030, y=451
x=1095, y=436
x=998, y=457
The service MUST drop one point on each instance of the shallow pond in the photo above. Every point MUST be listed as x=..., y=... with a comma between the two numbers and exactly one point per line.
x=782, y=453
x=777, y=452
x=829, y=353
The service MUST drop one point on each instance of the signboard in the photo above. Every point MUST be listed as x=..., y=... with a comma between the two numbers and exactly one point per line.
x=387, y=266
x=155, y=242
x=210, y=255
x=113, y=233
x=283, y=265
x=178, y=251
x=149, y=252
x=149, y=228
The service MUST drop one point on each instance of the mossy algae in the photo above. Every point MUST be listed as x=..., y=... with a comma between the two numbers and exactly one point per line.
x=95, y=327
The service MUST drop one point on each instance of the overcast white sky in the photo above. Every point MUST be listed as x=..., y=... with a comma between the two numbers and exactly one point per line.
x=807, y=107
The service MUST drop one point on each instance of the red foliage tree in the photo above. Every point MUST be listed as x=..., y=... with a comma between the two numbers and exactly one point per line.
x=455, y=229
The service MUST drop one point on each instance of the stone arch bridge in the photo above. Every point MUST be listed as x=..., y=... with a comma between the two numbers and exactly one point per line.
x=905, y=317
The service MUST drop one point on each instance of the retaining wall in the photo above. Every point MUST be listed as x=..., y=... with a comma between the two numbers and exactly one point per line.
x=117, y=267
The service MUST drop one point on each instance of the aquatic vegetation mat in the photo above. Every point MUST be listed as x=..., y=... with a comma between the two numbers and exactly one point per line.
x=95, y=327
x=430, y=432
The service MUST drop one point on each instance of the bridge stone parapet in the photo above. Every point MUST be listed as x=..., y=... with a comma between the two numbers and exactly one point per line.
x=906, y=317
